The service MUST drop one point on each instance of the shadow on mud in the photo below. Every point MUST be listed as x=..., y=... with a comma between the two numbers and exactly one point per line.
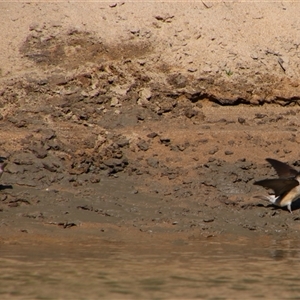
x=6, y=187
x=296, y=205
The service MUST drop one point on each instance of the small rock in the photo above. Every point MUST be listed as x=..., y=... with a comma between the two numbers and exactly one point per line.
x=228, y=152
x=241, y=120
x=207, y=69
x=152, y=162
x=119, y=90
x=135, y=31
x=152, y=135
x=39, y=152
x=111, y=79
x=142, y=102
x=165, y=140
x=165, y=106
x=18, y=122
x=143, y=145
x=177, y=80
x=94, y=179
x=58, y=80
x=122, y=142
x=192, y=70
x=250, y=227
x=190, y=113
x=208, y=220
x=182, y=147
x=140, y=116
x=203, y=141
x=92, y=94
x=166, y=18
x=145, y=93
x=114, y=101
x=254, y=56
x=260, y=116
x=48, y=134
x=51, y=167
x=112, y=162
x=141, y=62
x=33, y=26
x=213, y=151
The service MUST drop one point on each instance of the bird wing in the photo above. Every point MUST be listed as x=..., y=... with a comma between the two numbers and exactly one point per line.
x=278, y=185
x=283, y=170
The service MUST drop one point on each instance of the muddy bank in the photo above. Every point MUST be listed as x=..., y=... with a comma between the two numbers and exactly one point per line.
x=155, y=130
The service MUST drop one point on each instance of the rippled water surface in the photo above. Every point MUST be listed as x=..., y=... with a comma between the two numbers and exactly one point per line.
x=198, y=270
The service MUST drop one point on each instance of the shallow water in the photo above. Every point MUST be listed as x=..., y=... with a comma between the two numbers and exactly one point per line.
x=253, y=269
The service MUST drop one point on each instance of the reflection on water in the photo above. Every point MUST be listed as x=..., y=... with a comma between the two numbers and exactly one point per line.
x=200, y=270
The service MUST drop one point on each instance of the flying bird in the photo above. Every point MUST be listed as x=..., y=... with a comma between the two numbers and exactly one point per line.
x=286, y=188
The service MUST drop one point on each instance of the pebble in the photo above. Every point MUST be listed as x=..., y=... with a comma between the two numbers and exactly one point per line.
x=112, y=162
x=165, y=140
x=143, y=145
x=190, y=113
x=208, y=220
x=213, y=151
x=152, y=162
x=152, y=135
x=145, y=93
x=122, y=142
x=228, y=152
x=241, y=120
x=114, y=101
x=165, y=18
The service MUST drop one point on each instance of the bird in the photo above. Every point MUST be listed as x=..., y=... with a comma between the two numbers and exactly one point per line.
x=286, y=188
x=2, y=166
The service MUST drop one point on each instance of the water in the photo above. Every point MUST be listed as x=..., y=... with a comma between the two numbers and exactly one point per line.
x=212, y=269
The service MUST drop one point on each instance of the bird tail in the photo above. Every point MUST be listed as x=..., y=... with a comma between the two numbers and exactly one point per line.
x=270, y=198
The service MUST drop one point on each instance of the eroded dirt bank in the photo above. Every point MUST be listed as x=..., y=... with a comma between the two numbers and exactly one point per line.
x=117, y=125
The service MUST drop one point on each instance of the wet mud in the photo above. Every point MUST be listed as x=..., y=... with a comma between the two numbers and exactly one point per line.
x=126, y=144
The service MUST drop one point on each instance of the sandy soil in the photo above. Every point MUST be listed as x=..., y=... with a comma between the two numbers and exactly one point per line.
x=130, y=120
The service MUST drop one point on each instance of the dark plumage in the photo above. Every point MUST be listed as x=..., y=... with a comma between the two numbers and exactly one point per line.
x=286, y=188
